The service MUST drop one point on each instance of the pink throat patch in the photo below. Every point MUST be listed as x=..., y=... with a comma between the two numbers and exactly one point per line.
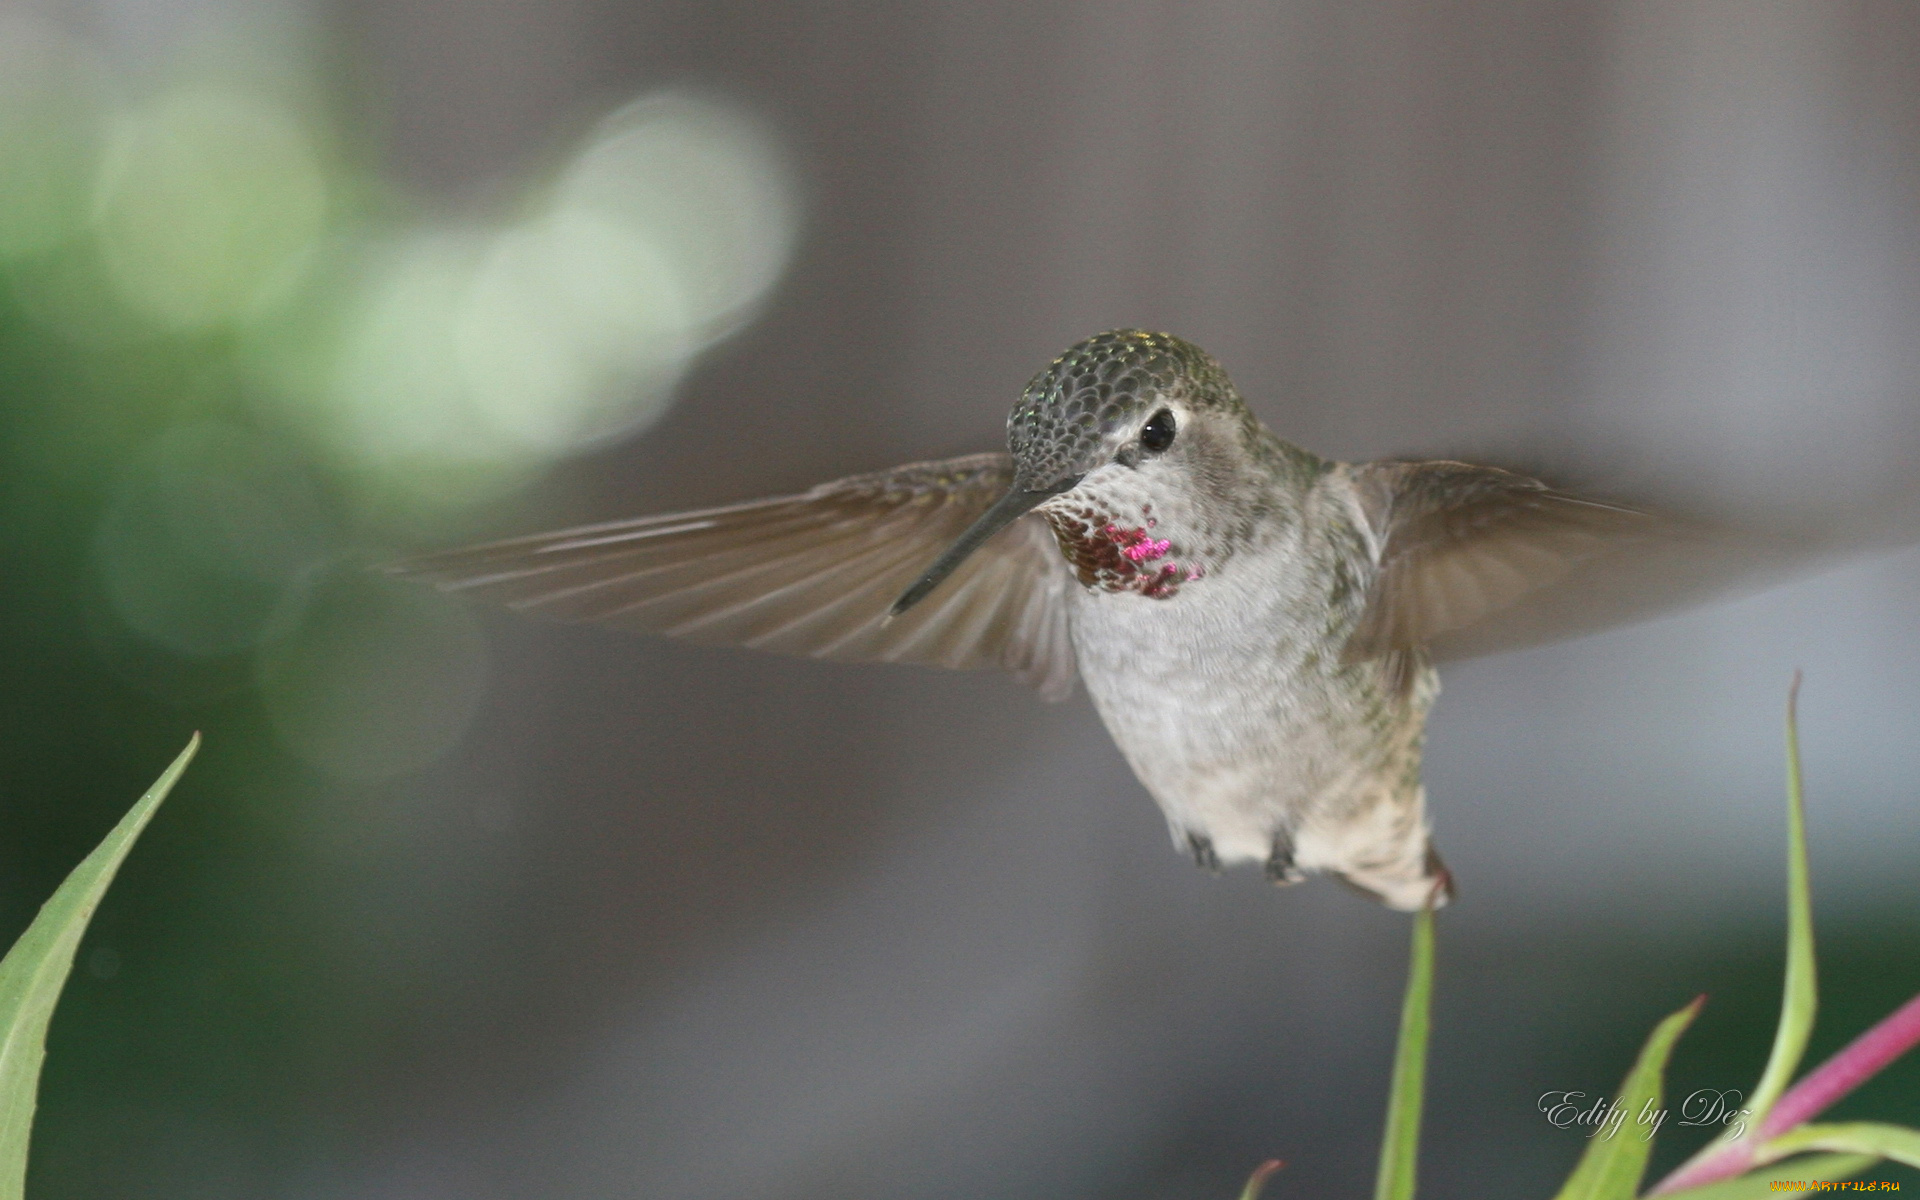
x=1120, y=558
x=1137, y=544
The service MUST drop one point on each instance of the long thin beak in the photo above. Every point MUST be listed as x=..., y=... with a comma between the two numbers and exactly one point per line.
x=1005, y=511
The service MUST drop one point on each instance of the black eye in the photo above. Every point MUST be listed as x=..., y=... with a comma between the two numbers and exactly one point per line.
x=1158, y=432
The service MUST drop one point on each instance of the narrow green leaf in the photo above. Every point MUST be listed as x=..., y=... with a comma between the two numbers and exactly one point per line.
x=1257, y=1181
x=1616, y=1155
x=35, y=970
x=1758, y=1184
x=1800, y=997
x=1854, y=1137
x=1400, y=1146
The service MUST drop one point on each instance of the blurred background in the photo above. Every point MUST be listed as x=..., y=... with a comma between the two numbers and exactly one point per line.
x=458, y=905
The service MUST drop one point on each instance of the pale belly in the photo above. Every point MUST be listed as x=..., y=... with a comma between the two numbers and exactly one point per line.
x=1243, y=725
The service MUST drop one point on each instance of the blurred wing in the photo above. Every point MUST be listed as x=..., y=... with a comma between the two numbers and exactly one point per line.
x=811, y=574
x=1474, y=560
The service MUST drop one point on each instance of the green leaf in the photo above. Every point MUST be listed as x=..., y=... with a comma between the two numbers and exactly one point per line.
x=1758, y=1184
x=1615, y=1158
x=1257, y=1181
x=1855, y=1137
x=35, y=970
x=1799, y=997
x=1400, y=1146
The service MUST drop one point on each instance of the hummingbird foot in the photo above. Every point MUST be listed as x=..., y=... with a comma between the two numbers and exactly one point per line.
x=1280, y=868
x=1203, y=853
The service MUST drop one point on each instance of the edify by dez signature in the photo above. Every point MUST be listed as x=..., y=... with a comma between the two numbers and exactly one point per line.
x=1606, y=1118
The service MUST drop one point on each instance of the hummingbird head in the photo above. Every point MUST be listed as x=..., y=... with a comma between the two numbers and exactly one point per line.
x=1117, y=398
x=1150, y=407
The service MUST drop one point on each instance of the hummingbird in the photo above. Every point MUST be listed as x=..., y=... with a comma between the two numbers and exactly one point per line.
x=1256, y=625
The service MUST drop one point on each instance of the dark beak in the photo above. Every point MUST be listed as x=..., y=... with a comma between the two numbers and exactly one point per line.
x=1005, y=511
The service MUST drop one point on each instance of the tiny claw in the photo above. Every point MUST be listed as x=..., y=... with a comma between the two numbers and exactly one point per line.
x=1279, y=868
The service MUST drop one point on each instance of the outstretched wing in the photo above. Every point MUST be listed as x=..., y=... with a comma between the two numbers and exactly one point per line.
x=1473, y=560
x=811, y=574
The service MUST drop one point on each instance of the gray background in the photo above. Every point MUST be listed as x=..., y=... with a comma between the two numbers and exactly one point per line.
x=676, y=922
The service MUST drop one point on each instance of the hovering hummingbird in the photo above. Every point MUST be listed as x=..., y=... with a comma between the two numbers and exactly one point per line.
x=1256, y=625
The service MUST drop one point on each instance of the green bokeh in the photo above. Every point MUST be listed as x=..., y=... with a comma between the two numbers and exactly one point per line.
x=237, y=366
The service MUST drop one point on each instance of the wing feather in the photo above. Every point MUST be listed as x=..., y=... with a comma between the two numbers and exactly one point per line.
x=1460, y=545
x=811, y=574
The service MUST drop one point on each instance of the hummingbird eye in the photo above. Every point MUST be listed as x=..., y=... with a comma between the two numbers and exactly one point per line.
x=1157, y=434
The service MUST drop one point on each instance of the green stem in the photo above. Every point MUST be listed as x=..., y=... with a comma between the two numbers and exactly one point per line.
x=1400, y=1146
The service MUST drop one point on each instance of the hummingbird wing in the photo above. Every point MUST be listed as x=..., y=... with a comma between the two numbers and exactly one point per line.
x=1474, y=560
x=811, y=574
